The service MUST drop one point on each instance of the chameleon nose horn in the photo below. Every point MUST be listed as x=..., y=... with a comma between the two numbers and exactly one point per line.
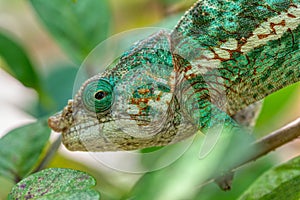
x=54, y=122
x=61, y=121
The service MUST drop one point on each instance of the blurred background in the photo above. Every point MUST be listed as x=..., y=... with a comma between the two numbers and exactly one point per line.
x=55, y=62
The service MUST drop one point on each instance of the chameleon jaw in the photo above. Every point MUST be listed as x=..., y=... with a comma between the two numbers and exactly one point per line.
x=79, y=137
x=62, y=122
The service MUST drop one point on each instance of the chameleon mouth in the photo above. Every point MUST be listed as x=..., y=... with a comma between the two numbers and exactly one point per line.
x=77, y=137
x=93, y=128
x=100, y=123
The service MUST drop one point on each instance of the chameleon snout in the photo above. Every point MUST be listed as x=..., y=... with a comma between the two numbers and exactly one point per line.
x=61, y=121
x=54, y=122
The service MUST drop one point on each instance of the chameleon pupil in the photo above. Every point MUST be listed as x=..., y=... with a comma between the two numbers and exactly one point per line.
x=99, y=95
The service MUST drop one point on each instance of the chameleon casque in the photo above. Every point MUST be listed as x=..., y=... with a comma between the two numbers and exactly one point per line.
x=220, y=58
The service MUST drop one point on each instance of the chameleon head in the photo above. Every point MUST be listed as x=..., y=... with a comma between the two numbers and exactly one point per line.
x=132, y=105
x=80, y=121
x=110, y=117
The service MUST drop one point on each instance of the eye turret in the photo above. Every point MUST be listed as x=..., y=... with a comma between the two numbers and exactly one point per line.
x=98, y=96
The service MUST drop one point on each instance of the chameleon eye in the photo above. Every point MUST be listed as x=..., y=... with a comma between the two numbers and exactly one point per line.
x=97, y=96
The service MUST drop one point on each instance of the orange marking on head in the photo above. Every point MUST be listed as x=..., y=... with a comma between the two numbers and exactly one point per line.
x=158, y=96
x=138, y=101
x=190, y=76
x=143, y=91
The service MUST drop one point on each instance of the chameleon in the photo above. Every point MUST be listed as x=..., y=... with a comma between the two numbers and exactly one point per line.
x=221, y=57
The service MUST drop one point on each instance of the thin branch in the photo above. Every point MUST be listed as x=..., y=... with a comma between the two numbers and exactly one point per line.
x=263, y=146
x=49, y=155
x=274, y=140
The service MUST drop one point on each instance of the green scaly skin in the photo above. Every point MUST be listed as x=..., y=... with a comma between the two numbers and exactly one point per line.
x=220, y=58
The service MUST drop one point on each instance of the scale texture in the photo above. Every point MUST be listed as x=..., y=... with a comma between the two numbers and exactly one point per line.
x=222, y=57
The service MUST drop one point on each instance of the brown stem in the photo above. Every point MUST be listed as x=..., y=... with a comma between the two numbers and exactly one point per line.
x=49, y=155
x=265, y=145
x=274, y=140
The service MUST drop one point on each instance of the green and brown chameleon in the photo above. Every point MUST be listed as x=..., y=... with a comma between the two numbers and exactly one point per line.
x=220, y=58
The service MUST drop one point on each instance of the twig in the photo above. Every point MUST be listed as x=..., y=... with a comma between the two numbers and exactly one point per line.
x=49, y=155
x=274, y=140
x=265, y=145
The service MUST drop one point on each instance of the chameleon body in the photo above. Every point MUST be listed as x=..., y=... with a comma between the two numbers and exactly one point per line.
x=220, y=58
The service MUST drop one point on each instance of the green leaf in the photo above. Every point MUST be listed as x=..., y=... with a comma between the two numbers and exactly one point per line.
x=56, y=183
x=21, y=149
x=77, y=26
x=269, y=117
x=281, y=182
x=18, y=63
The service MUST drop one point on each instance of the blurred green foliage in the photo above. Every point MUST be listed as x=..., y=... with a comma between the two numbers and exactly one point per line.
x=17, y=157
x=275, y=107
x=18, y=63
x=77, y=27
x=282, y=182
